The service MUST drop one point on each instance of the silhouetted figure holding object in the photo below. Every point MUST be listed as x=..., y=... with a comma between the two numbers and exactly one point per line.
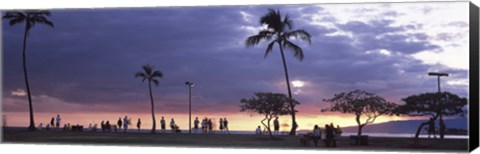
x=276, y=126
x=162, y=123
x=119, y=123
x=317, y=134
x=139, y=123
x=431, y=128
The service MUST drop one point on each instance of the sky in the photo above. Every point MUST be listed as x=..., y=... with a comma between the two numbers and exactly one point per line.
x=84, y=68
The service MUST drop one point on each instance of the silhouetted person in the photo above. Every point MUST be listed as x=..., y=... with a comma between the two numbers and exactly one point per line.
x=338, y=131
x=220, y=126
x=139, y=123
x=47, y=127
x=276, y=126
x=52, y=122
x=442, y=129
x=58, y=121
x=204, y=125
x=225, y=125
x=126, y=122
x=119, y=123
x=64, y=127
x=40, y=126
x=90, y=128
x=172, y=125
x=258, y=131
x=162, y=124
x=328, y=135
x=431, y=128
x=68, y=127
x=195, y=124
x=108, y=126
x=317, y=134
x=210, y=125
x=103, y=125
x=94, y=127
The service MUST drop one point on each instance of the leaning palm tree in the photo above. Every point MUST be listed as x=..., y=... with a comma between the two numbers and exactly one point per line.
x=151, y=75
x=280, y=31
x=30, y=17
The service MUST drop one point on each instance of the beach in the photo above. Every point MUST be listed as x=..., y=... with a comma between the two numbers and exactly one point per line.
x=225, y=141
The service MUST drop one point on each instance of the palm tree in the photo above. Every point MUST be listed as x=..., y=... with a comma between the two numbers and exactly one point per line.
x=30, y=17
x=280, y=31
x=151, y=75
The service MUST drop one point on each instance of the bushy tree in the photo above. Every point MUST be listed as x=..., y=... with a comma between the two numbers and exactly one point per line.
x=361, y=104
x=268, y=104
x=432, y=105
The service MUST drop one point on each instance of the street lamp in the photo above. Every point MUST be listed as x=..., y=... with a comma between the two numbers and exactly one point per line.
x=190, y=85
x=442, y=123
x=438, y=77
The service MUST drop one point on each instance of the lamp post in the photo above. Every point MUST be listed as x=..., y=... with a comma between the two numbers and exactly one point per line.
x=190, y=85
x=442, y=123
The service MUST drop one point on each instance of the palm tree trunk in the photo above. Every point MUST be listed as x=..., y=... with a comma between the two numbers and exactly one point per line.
x=31, y=127
x=292, y=107
x=153, y=112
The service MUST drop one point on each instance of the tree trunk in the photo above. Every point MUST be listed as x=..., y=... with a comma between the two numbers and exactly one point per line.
x=442, y=127
x=360, y=127
x=292, y=107
x=153, y=112
x=31, y=127
x=419, y=129
x=269, y=130
x=357, y=118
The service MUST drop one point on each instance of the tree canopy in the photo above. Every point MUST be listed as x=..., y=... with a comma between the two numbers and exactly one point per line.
x=268, y=104
x=360, y=103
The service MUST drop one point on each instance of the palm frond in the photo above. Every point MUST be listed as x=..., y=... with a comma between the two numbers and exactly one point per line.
x=255, y=39
x=155, y=81
x=269, y=48
x=157, y=73
x=301, y=34
x=148, y=69
x=140, y=74
x=43, y=20
x=287, y=22
x=295, y=48
x=273, y=20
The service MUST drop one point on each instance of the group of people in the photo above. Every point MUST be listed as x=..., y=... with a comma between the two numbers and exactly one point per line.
x=330, y=133
x=207, y=125
x=54, y=123
x=106, y=126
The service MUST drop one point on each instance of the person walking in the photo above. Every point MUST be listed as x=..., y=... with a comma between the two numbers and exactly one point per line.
x=58, y=121
x=276, y=126
x=139, y=123
x=162, y=124
x=119, y=123
x=225, y=125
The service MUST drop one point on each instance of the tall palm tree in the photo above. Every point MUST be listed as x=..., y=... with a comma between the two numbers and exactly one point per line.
x=30, y=17
x=280, y=31
x=148, y=73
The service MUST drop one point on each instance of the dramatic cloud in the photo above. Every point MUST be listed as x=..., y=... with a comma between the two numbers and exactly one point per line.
x=87, y=62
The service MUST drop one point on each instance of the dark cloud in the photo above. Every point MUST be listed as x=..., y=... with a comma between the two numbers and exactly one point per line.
x=87, y=62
